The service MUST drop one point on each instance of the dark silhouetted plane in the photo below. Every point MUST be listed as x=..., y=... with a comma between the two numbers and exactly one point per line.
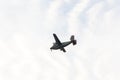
x=61, y=45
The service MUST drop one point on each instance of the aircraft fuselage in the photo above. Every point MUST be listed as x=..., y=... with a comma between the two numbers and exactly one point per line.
x=57, y=46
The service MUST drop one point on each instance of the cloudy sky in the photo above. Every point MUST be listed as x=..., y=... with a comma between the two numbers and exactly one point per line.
x=26, y=28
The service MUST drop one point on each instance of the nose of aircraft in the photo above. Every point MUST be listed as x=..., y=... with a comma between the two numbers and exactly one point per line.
x=51, y=48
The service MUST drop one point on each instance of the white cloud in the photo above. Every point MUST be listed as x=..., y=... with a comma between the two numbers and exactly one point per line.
x=26, y=36
x=73, y=16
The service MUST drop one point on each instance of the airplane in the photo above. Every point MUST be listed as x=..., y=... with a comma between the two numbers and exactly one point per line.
x=60, y=45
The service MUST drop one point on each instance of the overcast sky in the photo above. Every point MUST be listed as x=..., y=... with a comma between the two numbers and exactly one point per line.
x=26, y=28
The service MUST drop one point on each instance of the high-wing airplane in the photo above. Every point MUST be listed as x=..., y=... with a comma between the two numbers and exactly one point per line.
x=60, y=45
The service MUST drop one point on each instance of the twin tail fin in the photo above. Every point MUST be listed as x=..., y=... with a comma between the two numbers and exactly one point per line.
x=72, y=38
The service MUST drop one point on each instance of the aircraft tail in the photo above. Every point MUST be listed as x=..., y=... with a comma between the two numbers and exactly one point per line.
x=73, y=40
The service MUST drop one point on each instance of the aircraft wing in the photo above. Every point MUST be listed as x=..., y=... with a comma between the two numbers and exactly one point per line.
x=63, y=49
x=56, y=39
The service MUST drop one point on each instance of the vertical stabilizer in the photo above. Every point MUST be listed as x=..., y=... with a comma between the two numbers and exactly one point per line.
x=73, y=40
